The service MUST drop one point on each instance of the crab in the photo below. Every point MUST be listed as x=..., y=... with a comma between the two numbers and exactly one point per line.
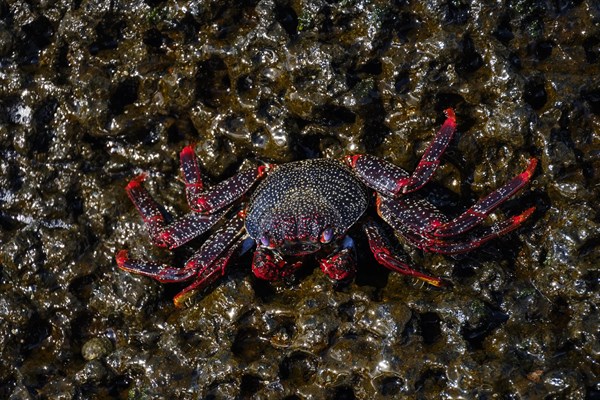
x=307, y=207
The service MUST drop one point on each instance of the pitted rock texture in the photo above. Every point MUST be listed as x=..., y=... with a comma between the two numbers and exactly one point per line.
x=94, y=93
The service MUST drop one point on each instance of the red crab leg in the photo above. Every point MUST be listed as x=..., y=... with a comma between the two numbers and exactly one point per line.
x=380, y=175
x=494, y=231
x=484, y=206
x=426, y=242
x=212, y=257
x=391, y=180
x=188, y=227
x=381, y=250
x=431, y=158
x=226, y=192
x=178, y=232
x=401, y=217
x=220, y=195
x=409, y=212
x=158, y=271
x=210, y=250
x=217, y=244
x=208, y=274
x=146, y=206
x=191, y=174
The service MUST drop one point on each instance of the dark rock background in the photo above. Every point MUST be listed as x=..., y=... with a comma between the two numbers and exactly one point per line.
x=93, y=93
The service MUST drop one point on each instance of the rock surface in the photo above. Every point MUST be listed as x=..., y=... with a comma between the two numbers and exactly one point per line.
x=93, y=93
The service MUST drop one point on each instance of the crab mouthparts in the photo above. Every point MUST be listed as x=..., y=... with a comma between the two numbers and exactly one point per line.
x=298, y=248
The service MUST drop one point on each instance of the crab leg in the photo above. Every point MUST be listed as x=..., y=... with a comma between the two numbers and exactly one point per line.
x=380, y=175
x=217, y=244
x=427, y=242
x=207, y=254
x=178, y=232
x=484, y=206
x=392, y=180
x=226, y=192
x=146, y=206
x=381, y=250
x=416, y=219
x=222, y=194
x=191, y=174
x=158, y=271
x=208, y=274
x=212, y=257
x=494, y=231
x=187, y=228
x=431, y=158
x=410, y=212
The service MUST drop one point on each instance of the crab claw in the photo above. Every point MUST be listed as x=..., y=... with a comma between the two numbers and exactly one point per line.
x=340, y=266
x=271, y=266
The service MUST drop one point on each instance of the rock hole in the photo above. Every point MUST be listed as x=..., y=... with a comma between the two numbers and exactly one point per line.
x=331, y=115
x=476, y=335
x=388, y=385
x=401, y=85
x=470, y=60
x=249, y=386
x=504, y=31
x=287, y=18
x=124, y=94
x=542, y=49
x=342, y=393
x=592, y=98
x=248, y=345
x=591, y=47
x=109, y=33
x=535, y=93
x=212, y=82
x=298, y=368
x=431, y=381
x=429, y=325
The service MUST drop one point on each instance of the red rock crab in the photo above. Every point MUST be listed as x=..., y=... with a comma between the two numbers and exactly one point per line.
x=308, y=206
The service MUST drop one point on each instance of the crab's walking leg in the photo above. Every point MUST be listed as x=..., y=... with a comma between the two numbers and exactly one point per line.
x=158, y=271
x=341, y=265
x=381, y=250
x=403, y=220
x=411, y=212
x=391, y=180
x=431, y=158
x=380, y=175
x=494, y=231
x=191, y=175
x=204, y=265
x=146, y=206
x=208, y=274
x=217, y=243
x=207, y=254
x=484, y=206
x=178, y=232
x=219, y=196
x=188, y=227
x=210, y=261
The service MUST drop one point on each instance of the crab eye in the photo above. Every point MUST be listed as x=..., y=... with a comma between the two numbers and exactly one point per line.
x=264, y=240
x=326, y=235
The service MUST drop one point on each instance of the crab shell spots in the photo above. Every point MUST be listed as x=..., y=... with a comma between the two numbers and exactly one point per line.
x=300, y=199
